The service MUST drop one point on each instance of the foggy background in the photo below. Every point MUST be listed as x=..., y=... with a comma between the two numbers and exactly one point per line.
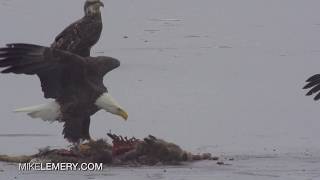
x=210, y=75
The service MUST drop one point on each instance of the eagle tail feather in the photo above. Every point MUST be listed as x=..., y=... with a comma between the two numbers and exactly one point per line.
x=47, y=112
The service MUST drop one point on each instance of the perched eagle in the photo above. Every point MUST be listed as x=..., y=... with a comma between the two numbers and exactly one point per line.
x=79, y=90
x=314, y=83
x=81, y=35
x=77, y=38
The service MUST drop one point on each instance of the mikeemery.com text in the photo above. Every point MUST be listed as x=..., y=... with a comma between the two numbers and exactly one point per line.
x=60, y=166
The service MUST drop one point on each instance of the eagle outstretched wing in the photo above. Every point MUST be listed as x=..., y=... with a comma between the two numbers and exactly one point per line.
x=63, y=68
x=38, y=60
x=314, y=83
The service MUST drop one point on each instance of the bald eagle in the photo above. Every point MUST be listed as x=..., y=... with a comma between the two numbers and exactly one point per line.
x=81, y=35
x=77, y=38
x=79, y=90
x=314, y=83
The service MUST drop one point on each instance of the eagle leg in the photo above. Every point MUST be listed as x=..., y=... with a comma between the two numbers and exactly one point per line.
x=84, y=147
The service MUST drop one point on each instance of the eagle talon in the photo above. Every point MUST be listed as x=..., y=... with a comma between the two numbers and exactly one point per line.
x=91, y=141
x=84, y=147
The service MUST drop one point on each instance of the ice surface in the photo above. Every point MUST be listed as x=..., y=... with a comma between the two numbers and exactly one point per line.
x=223, y=76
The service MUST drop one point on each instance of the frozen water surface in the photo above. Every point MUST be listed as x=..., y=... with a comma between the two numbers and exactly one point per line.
x=211, y=75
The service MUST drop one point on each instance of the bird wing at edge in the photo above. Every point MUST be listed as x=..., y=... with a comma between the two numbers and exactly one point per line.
x=314, y=83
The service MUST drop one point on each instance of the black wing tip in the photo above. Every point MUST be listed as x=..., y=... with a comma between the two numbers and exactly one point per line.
x=17, y=56
x=23, y=45
x=6, y=71
x=306, y=86
x=312, y=81
x=309, y=93
x=316, y=98
x=313, y=78
x=18, y=49
x=310, y=85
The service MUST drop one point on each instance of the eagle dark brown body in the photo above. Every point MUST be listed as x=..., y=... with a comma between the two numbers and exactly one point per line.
x=77, y=89
x=80, y=36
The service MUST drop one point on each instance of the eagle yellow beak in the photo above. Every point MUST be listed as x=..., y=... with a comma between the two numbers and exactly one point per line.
x=123, y=114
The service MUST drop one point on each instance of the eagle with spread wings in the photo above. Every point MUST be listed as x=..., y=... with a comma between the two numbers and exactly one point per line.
x=68, y=75
x=79, y=89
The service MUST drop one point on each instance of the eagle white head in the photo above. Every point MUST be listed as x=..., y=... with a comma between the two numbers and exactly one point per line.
x=92, y=7
x=109, y=104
